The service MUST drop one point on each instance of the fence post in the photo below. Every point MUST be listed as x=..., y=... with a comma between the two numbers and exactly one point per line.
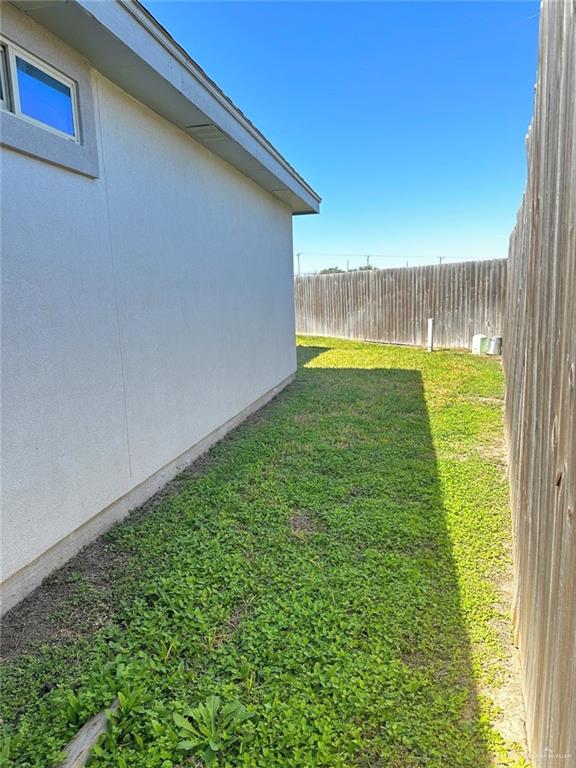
x=430, y=334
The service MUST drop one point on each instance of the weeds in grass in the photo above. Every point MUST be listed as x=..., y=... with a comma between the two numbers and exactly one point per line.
x=210, y=727
x=366, y=534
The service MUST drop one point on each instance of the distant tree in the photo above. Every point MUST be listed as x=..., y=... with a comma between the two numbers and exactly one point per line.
x=331, y=271
x=366, y=268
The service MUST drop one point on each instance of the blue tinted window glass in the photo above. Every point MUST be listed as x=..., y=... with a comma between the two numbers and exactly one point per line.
x=44, y=98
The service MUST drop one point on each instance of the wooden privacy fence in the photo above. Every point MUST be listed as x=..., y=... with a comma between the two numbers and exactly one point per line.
x=540, y=367
x=393, y=305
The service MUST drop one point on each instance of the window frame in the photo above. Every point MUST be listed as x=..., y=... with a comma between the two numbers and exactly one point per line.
x=5, y=100
x=11, y=53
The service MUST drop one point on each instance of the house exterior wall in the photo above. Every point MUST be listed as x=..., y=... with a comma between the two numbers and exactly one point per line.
x=142, y=311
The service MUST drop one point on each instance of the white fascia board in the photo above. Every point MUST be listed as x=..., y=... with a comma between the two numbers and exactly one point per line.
x=124, y=42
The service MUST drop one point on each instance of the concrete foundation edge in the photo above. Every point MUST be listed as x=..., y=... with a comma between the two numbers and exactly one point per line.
x=24, y=581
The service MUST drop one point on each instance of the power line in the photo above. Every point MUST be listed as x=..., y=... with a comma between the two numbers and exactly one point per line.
x=353, y=255
x=368, y=256
x=365, y=256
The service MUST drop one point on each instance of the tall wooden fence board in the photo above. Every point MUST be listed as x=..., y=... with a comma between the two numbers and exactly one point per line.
x=540, y=367
x=393, y=305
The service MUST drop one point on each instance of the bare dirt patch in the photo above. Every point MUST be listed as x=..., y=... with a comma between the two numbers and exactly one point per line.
x=481, y=399
x=510, y=721
x=493, y=452
x=81, y=597
x=47, y=616
x=232, y=623
x=302, y=524
x=305, y=418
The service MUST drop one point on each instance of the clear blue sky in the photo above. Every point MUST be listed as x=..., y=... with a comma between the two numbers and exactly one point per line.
x=408, y=118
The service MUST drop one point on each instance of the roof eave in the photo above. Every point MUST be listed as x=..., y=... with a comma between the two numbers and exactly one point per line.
x=124, y=42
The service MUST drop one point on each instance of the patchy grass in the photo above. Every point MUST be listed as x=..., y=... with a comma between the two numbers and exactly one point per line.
x=331, y=574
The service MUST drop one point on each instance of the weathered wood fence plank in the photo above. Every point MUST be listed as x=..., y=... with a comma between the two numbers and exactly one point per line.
x=393, y=305
x=540, y=366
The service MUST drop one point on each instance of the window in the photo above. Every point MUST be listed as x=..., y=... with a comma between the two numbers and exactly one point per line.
x=47, y=100
x=34, y=91
x=44, y=98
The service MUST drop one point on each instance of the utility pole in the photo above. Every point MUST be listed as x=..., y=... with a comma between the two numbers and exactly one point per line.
x=367, y=261
x=347, y=265
x=298, y=260
x=440, y=259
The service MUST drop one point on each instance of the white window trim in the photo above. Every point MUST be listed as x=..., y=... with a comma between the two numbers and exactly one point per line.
x=5, y=101
x=11, y=77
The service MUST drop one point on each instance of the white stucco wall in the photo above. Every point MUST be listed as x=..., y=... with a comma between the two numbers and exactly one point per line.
x=141, y=310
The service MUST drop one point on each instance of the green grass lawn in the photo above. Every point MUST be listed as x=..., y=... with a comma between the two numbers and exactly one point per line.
x=333, y=570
